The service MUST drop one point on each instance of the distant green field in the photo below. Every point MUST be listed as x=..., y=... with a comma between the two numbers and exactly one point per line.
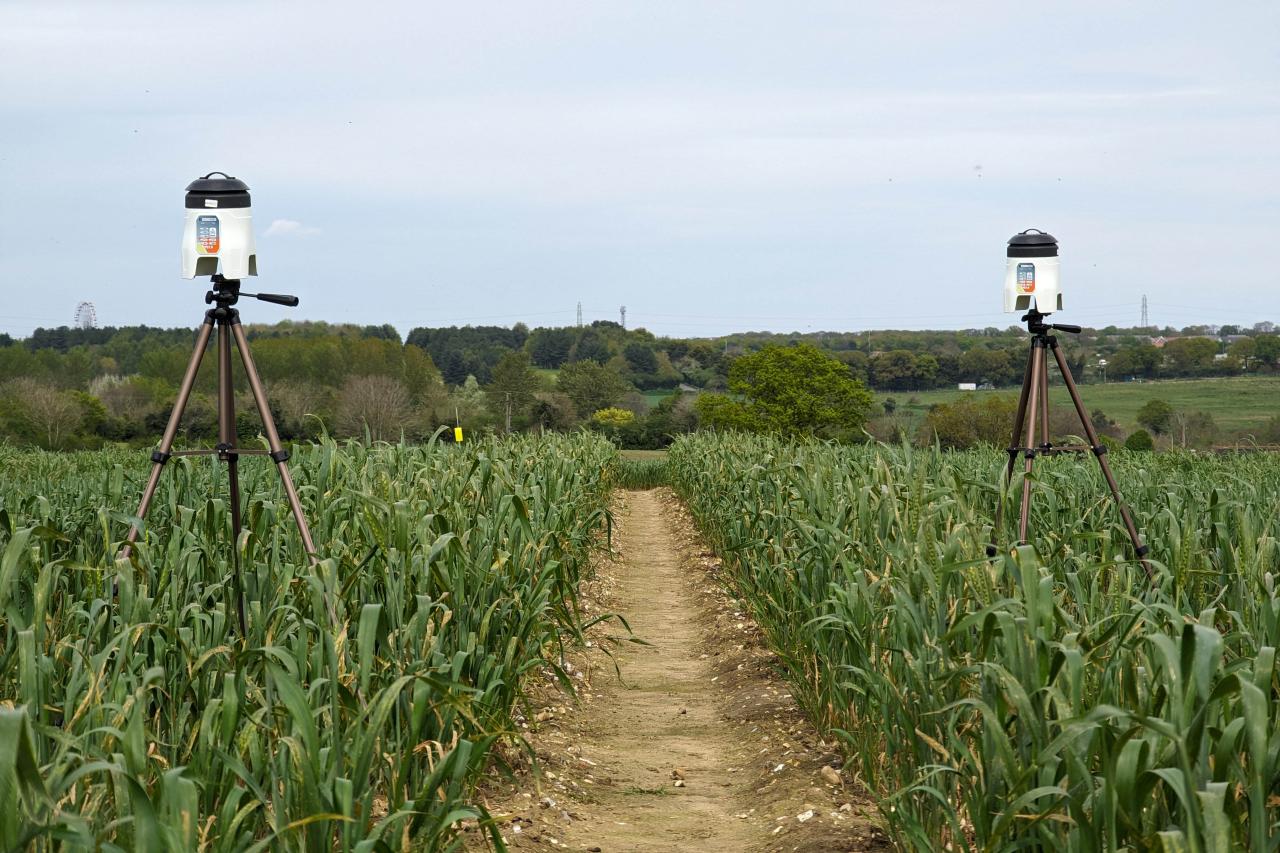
x=1237, y=405
x=643, y=455
x=655, y=397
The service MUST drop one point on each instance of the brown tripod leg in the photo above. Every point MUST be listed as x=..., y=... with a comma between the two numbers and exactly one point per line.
x=226, y=452
x=1029, y=449
x=1099, y=452
x=161, y=454
x=1046, y=441
x=1018, y=422
x=278, y=454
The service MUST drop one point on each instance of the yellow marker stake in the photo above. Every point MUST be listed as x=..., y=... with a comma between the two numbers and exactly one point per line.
x=457, y=434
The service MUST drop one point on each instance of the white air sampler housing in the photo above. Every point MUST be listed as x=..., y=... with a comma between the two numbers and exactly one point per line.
x=1031, y=273
x=218, y=235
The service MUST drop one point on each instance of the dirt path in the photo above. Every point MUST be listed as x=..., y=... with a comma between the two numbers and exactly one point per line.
x=699, y=747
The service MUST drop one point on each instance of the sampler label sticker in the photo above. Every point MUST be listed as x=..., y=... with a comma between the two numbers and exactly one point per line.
x=207, y=235
x=1026, y=278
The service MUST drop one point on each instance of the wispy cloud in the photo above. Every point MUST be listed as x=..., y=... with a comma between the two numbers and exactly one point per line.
x=289, y=228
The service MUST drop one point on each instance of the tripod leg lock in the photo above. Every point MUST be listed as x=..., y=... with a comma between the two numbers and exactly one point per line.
x=1142, y=551
x=279, y=455
x=1099, y=449
x=160, y=456
x=1029, y=453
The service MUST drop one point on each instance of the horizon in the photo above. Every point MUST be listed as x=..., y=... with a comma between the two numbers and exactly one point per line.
x=1210, y=329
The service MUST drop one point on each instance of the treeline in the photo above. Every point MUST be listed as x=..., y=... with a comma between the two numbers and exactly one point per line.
x=67, y=388
x=636, y=355
x=82, y=388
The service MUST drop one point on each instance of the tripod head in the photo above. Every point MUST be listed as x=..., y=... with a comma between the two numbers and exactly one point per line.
x=226, y=292
x=1038, y=327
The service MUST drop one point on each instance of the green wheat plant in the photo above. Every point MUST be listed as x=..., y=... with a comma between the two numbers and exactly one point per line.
x=371, y=688
x=1051, y=699
x=640, y=473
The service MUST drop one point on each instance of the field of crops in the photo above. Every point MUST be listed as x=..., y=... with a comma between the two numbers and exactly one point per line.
x=1051, y=699
x=370, y=690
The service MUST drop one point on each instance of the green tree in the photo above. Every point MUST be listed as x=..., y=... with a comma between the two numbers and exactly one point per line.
x=970, y=421
x=1140, y=360
x=1139, y=440
x=591, y=346
x=550, y=347
x=793, y=390
x=510, y=391
x=552, y=410
x=641, y=358
x=1191, y=356
x=1267, y=350
x=420, y=374
x=989, y=365
x=590, y=386
x=903, y=370
x=1156, y=416
x=1243, y=351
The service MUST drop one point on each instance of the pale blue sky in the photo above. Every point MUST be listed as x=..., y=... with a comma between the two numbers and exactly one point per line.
x=713, y=166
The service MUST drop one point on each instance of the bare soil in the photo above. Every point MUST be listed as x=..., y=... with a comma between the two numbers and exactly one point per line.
x=698, y=745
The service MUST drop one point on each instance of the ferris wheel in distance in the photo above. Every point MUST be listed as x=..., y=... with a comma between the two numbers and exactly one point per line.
x=86, y=316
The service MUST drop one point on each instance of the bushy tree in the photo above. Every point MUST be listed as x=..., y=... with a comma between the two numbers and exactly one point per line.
x=1193, y=429
x=970, y=421
x=903, y=370
x=1155, y=415
x=298, y=408
x=613, y=417
x=590, y=386
x=1266, y=349
x=996, y=366
x=509, y=393
x=591, y=346
x=49, y=416
x=1139, y=440
x=1191, y=356
x=552, y=410
x=1138, y=360
x=379, y=405
x=550, y=347
x=793, y=390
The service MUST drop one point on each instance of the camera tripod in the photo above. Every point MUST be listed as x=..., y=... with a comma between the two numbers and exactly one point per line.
x=226, y=319
x=1033, y=405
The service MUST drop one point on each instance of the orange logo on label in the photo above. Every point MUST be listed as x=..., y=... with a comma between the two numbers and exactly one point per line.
x=207, y=241
x=1026, y=278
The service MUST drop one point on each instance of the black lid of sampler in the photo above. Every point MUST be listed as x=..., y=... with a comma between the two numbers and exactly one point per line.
x=211, y=192
x=1033, y=243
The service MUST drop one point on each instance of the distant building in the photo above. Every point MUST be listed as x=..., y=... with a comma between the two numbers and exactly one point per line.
x=1159, y=341
x=968, y=386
